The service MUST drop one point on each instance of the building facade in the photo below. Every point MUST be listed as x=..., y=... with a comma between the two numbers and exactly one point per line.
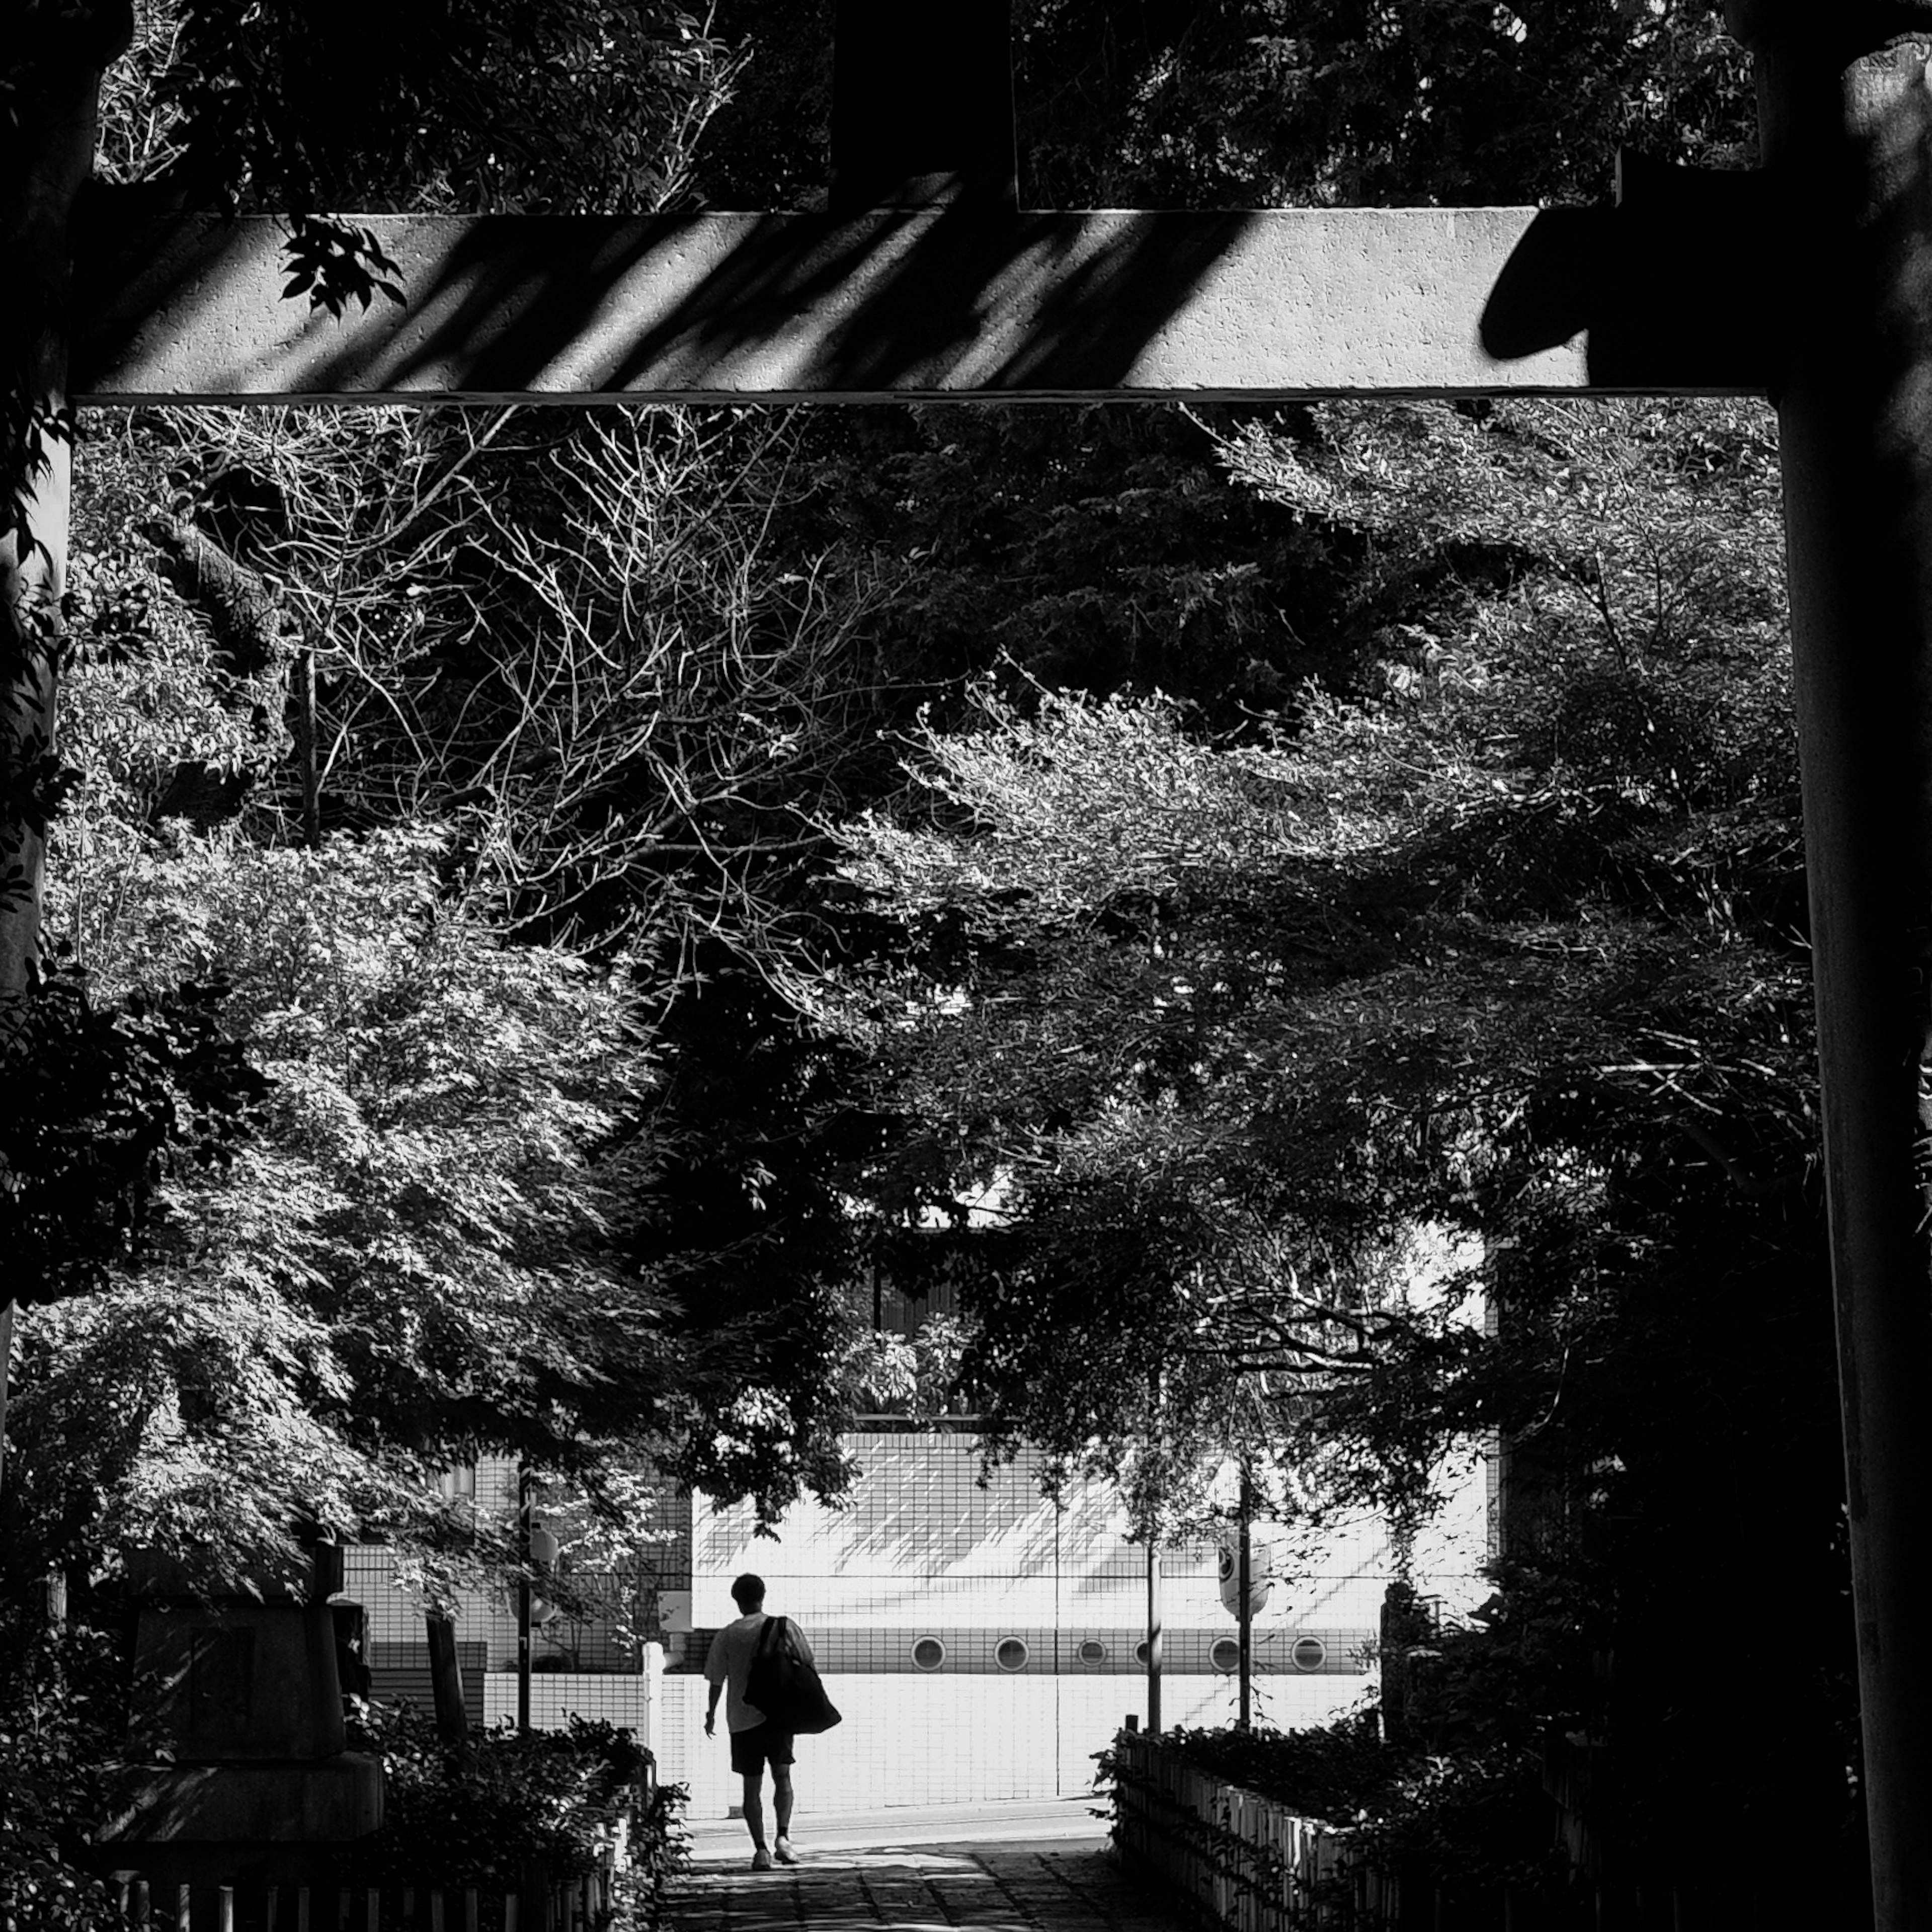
x=983, y=1641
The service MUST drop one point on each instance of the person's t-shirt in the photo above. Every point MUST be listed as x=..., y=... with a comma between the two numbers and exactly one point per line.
x=729, y=1662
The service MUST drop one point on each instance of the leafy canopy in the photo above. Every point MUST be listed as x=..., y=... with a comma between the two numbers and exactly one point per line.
x=1237, y=1017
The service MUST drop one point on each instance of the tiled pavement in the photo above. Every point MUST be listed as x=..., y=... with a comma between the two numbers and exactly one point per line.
x=931, y=1888
x=984, y=1880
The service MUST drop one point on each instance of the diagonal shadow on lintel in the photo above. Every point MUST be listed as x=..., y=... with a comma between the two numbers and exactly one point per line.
x=1666, y=293
x=960, y=297
x=955, y=300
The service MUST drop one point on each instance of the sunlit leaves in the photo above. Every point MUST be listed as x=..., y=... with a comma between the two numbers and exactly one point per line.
x=408, y=1257
x=579, y=105
x=1512, y=921
x=1258, y=102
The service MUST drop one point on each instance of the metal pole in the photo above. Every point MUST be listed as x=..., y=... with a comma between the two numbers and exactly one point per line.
x=1846, y=116
x=1153, y=1632
x=523, y=1602
x=1243, y=1609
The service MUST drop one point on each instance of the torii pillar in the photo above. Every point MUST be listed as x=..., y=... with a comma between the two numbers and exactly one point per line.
x=1845, y=108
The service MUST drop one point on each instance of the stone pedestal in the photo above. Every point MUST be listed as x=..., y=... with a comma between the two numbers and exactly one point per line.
x=237, y=1705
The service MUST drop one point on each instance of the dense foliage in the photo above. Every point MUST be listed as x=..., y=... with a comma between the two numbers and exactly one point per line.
x=1288, y=997
x=478, y=1815
x=457, y=1207
x=1427, y=1059
x=1332, y=1772
x=62, y=1726
x=1249, y=103
x=1463, y=1825
x=1266, y=102
x=402, y=1258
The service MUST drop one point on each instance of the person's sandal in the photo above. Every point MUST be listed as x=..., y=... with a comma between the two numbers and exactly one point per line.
x=761, y=1860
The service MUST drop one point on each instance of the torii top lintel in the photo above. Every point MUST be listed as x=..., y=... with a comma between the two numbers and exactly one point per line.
x=924, y=280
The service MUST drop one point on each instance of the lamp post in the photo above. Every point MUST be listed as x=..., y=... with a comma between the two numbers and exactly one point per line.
x=1244, y=1606
x=1154, y=1629
x=523, y=1601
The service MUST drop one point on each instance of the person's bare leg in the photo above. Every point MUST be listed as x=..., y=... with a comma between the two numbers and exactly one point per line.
x=781, y=1809
x=754, y=1809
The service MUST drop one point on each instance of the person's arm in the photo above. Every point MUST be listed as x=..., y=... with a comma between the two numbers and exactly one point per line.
x=716, y=1670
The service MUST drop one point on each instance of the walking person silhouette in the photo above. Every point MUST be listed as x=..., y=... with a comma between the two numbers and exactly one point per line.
x=755, y=1742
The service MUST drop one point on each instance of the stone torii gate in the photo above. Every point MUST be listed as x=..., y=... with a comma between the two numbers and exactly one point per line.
x=1811, y=280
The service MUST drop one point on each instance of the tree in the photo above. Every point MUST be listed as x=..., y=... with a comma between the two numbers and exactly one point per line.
x=1252, y=103
x=450, y=107
x=1246, y=103
x=581, y=643
x=577, y=637
x=1089, y=547
x=720, y=703
x=575, y=106
x=416, y=1230
x=305, y=108
x=1508, y=945
x=407, y=1257
x=1161, y=917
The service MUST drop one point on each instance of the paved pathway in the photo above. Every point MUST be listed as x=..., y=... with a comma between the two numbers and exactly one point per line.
x=986, y=1869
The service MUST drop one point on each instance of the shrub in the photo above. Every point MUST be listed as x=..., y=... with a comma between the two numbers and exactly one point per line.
x=1475, y=1817
x=59, y=1722
x=1333, y=1771
x=476, y=1818
x=658, y=1848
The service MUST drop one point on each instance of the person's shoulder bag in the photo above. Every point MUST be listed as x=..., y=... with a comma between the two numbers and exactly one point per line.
x=785, y=1687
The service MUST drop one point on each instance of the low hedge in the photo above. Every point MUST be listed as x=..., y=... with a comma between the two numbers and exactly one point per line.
x=478, y=1817
x=1333, y=1773
x=1476, y=1817
x=61, y=1721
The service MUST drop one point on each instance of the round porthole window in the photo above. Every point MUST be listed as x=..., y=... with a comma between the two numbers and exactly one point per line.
x=1011, y=1654
x=1141, y=1652
x=1310, y=1653
x=1224, y=1653
x=1093, y=1650
x=928, y=1653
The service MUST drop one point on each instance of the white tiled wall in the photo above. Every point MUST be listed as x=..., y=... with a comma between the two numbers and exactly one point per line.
x=918, y=1741
x=555, y=1696
x=922, y=1545
x=919, y=1541
x=395, y=1614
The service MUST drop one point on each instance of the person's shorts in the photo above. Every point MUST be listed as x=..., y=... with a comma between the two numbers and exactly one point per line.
x=764, y=1744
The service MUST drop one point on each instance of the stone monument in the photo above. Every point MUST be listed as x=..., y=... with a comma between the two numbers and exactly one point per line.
x=235, y=1718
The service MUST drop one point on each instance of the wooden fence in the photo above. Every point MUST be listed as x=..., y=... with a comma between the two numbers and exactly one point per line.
x=580, y=1904
x=1239, y=1861
x=1236, y=1862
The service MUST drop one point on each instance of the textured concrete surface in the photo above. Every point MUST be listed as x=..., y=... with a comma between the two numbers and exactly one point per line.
x=1002, y=1821
x=993, y=1868
x=929, y=302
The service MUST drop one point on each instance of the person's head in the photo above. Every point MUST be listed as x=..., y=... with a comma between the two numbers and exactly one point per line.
x=748, y=1593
